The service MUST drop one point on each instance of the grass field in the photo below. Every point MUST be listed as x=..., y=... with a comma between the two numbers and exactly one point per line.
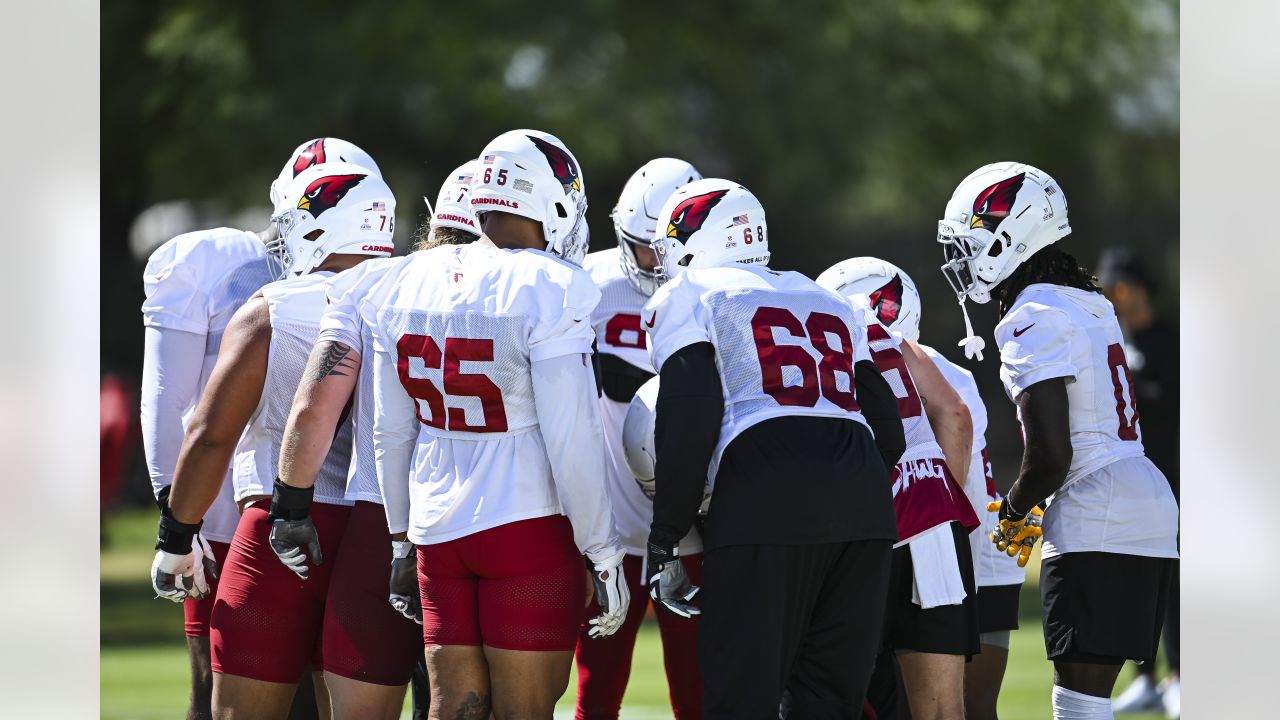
x=144, y=664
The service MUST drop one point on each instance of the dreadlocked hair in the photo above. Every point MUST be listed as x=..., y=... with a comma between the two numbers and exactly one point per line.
x=1050, y=265
x=424, y=238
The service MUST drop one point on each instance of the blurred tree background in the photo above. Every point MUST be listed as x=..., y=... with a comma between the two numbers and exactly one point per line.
x=852, y=121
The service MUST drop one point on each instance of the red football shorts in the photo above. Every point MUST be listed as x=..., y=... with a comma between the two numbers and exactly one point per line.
x=266, y=620
x=365, y=639
x=195, y=613
x=519, y=586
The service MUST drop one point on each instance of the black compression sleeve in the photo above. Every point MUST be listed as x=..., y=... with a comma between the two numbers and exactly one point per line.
x=880, y=408
x=1046, y=424
x=690, y=407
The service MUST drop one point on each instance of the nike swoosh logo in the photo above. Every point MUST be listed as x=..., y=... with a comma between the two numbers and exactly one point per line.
x=1018, y=333
x=649, y=322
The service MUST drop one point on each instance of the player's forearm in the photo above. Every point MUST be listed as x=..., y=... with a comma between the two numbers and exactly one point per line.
x=690, y=409
x=318, y=405
x=202, y=468
x=1046, y=460
x=953, y=427
x=395, y=433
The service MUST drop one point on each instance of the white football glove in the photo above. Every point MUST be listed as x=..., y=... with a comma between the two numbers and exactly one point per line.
x=178, y=577
x=611, y=593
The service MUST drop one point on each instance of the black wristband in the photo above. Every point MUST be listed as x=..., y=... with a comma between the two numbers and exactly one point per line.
x=1007, y=511
x=174, y=536
x=290, y=503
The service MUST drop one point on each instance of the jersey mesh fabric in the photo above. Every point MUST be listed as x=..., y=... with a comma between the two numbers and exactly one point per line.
x=718, y=305
x=1113, y=498
x=289, y=302
x=195, y=283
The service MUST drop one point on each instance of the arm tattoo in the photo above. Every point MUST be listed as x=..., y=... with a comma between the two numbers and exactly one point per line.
x=333, y=362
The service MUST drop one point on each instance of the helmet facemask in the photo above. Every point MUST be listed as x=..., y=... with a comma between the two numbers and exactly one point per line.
x=644, y=281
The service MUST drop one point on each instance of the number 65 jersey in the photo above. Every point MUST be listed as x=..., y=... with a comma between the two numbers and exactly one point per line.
x=1113, y=499
x=784, y=344
x=463, y=326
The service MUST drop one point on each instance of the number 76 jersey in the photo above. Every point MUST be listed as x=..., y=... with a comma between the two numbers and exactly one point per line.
x=784, y=345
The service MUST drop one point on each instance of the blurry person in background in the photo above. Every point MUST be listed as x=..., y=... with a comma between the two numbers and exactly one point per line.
x=194, y=284
x=626, y=278
x=266, y=623
x=1151, y=344
x=117, y=434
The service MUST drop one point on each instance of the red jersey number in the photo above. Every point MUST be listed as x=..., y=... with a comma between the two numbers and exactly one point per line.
x=817, y=379
x=1122, y=382
x=890, y=361
x=456, y=382
x=623, y=330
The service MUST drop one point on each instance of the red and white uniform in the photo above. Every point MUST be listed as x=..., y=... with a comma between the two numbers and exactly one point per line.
x=1113, y=499
x=925, y=494
x=617, y=324
x=194, y=284
x=267, y=622
x=463, y=338
x=364, y=637
x=784, y=344
x=990, y=565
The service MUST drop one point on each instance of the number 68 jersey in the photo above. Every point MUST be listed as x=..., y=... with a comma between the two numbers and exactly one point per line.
x=784, y=344
x=1113, y=499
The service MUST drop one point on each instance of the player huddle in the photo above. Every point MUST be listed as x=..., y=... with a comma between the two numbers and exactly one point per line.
x=487, y=456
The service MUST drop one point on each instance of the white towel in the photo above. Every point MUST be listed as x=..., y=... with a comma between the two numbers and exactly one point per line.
x=936, y=570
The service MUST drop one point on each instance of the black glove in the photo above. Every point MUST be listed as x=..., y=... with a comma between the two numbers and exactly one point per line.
x=291, y=528
x=405, y=596
x=669, y=584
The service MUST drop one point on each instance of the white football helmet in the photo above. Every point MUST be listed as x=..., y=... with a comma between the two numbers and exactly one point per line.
x=532, y=174
x=638, y=433
x=882, y=286
x=710, y=223
x=332, y=208
x=635, y=217
x=314, y=152
x=453, y=205
x=999, y=216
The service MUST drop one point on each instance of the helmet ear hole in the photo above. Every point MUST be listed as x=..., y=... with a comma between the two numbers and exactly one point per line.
x=684, y=261
x=997, y=247
x=314, y=234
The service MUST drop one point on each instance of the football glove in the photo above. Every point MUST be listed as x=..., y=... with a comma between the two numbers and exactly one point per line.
x=669, y=584
x=293, y=535
x=611, y=593
x=404, y=596
x=1016, y=533
x=184, y=561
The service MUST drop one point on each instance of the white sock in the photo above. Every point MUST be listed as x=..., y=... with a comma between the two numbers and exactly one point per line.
x=1071, y=705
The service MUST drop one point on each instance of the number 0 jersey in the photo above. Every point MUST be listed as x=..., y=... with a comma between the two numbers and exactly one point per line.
x=784, y=345
x=1059, y=332
x=463, y=326
x=194, y=283
x=295, y=306
x=623, y=353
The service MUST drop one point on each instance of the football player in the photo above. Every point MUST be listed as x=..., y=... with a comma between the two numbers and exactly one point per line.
x=266, y=625
x=483, y=383
x=931, y=625
x=626, y=278
x=767, y=393
x=892, y=295
x=1110, y=526
x=370, y=648
x=194, y=284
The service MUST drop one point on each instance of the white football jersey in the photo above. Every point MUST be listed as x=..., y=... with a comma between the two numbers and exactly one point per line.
x=1059, y=332
x=990, y=565
x=194, y=283
x=295, y=306
x=784, y=344
x=616, y=320
x=348, y=318
x=464, y=323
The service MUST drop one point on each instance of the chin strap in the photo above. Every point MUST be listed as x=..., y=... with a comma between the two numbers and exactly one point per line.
x=972, y=344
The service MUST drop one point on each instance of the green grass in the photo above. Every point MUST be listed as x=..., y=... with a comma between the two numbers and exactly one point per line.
x=144, y=661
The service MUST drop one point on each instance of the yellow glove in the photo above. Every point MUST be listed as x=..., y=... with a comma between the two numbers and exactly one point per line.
x=1016, y=537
